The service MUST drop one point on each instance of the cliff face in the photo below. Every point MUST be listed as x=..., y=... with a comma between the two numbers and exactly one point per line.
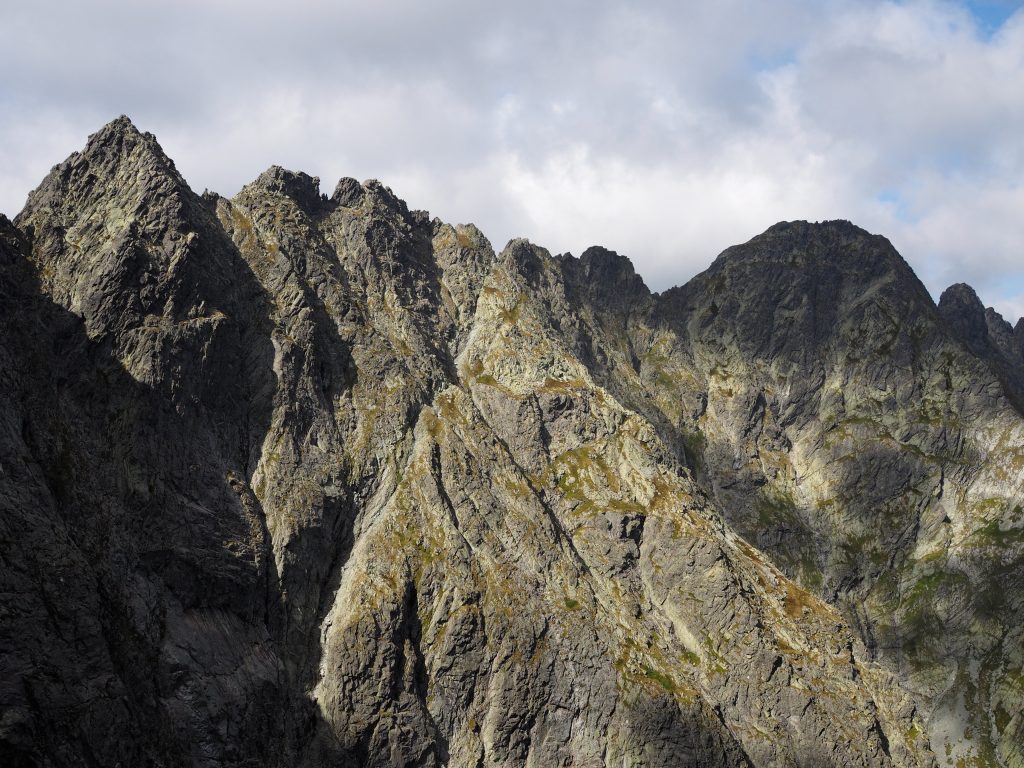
x=290, y=479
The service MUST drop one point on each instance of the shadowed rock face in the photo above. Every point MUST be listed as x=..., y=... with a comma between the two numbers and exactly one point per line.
x=296, y=480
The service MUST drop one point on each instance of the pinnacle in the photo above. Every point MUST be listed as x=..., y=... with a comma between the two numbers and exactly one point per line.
x=597, y=259
x=960, y=292
x=119, y=126
x=348, y=192
x=116, y=158
x=296, y=185
x=961, y=301
x=120, y=140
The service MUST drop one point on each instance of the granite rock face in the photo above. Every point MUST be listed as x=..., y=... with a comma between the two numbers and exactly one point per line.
x=297, y=480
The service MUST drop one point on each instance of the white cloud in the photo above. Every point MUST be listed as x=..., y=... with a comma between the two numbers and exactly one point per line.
x=665, y=130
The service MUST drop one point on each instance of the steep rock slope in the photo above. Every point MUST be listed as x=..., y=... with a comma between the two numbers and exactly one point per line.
x=866, y=441
x=291, y=479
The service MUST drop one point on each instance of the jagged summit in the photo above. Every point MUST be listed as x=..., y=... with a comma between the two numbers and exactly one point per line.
x=121, y=141
x=963, y=310
x=301, y=187
x=121, y=126
x=119, y=150
x=347, y=192
x=984, y=331
x=296, y=480
x=834, y=241
x=977, y=324
x=118, y=163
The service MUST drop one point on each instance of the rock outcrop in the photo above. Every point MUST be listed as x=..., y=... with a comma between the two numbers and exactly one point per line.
x=289, y=479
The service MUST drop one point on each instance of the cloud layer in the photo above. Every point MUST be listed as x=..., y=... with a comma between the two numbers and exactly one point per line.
x=664, y=130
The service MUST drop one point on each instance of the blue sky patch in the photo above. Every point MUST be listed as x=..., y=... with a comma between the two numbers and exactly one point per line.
x=894, y=200
x=991, y=14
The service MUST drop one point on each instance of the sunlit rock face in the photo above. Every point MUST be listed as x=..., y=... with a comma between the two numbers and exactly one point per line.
x=298, y=480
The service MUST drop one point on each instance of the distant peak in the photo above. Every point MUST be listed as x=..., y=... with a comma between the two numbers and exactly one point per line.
x=806, y=261
x=348, y=192
x=606, y=277
x=802, y=244
x=117, y=160
x=384, y=195
x=828, y=225
x=820, y=236
x=964, y=313
x=121, y=137
x=296, y=185
x=961, y=297
x=837, y=244
x=599, y=259
x=119, y=126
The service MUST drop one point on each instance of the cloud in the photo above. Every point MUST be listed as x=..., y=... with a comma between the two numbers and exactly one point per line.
x=667, y=131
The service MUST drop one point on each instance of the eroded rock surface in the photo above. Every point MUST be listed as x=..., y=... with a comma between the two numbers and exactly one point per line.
x=289, y=479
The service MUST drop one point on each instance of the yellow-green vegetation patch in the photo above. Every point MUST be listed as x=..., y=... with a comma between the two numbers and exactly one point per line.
x=581, y=469
x=476, y=372
x=799, y=600
x=561, y=385
x=448, y=409
x=777, y=506
x=690, y=658
x=921, y=625
x=627, y=507
x=857, y=548
x=716, y=662
x=991, y=534
x=926, y=587
x=511, y=316
x=912, y=734
x=660, y=678
x=1001, y=717
x=990, y=504
x=1014, y=677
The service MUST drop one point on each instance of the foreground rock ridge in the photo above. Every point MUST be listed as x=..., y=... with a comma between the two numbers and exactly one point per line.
x=297, y=480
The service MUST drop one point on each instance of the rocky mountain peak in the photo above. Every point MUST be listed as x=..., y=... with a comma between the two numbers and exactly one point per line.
x=607, y=282
x=525, y=259
x=610, y=274
x=348, y=192
x=121, y=176
x=300, y=187
x=981, y=328
x=1002, y=335
x=828, y=245
x=960, y=306
x=382, y=196
x=13, y=237
x=984, y=331
x=117, y=153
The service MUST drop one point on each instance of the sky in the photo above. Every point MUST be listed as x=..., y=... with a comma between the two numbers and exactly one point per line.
x=666, y=131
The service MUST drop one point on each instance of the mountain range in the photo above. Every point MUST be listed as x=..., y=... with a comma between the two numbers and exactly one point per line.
x=291, y=479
